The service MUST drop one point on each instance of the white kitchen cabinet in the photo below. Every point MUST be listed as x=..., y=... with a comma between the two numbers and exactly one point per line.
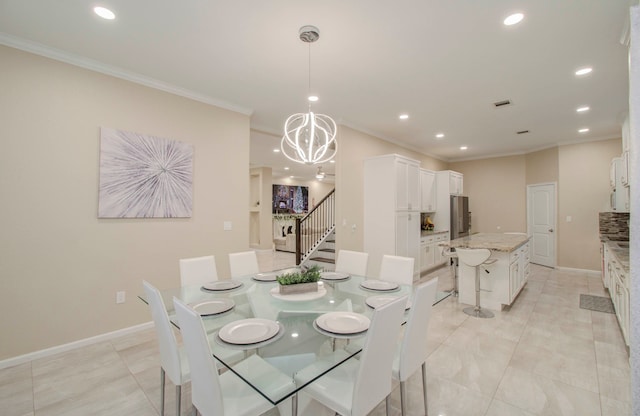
x=620, y=193
x=391, y=209
x=428, y=190
x=455, y=183
x=427, y=255
x=615, y=279
x=431, y=252
x=407, y=188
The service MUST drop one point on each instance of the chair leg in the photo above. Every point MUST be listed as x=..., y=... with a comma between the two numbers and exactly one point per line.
x=424, y=387
x=178, y=399
x=403, y=398
x=387, y=404
x=162, y=378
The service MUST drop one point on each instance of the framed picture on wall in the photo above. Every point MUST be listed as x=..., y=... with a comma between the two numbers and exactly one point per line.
x=290, y=199
x=144, y=176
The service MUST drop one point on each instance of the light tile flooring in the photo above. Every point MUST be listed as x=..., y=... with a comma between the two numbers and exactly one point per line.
x=543, y=356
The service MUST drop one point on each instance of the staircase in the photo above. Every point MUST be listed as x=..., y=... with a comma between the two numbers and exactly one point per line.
x=318, y=239
x=324, y=256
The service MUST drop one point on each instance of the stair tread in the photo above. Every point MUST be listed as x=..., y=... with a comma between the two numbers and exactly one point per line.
x=328, y=250
x=323, y=260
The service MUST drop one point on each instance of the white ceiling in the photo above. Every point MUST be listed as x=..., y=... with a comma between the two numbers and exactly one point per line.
x=443, y=62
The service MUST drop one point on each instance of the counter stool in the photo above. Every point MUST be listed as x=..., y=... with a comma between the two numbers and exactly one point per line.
x=451, y=254
x=476, y=258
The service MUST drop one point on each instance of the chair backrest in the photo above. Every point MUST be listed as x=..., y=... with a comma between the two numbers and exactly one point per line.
x=352, y=262
x=397, y=269
x=198, y=270
x=413, y=349
x=206, y=393
x=243, y=264
x=373, y=381
x=473, y=256
x=169, y=352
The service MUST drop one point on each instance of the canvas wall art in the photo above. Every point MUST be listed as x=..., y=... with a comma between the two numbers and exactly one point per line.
x=290, y=199
x=144, y=176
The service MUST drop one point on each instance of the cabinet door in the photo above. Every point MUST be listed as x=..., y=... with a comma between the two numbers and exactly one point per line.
x=407, y=185
x=428, y=190
x=408, y=236
x=513, y=280
x=455, y=183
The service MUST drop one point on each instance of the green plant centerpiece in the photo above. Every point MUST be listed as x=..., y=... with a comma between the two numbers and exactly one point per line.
x=299, y=282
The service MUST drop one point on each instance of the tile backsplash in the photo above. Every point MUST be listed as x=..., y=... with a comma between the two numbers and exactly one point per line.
x=614, y=225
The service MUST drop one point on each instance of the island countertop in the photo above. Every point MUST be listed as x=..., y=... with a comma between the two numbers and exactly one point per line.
x=492, y=241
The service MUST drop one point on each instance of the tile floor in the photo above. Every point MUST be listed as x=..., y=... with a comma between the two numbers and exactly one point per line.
x=543, y=356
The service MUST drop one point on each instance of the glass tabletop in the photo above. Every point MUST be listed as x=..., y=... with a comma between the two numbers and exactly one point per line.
x=298, y=342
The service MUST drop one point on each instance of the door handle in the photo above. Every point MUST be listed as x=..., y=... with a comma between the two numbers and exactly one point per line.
x=550, y=230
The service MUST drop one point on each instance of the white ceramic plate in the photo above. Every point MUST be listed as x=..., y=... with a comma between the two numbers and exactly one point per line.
x=299, y=297
x=221, y=285
x=376, y=301
x=334, y=276
x=343, y=322
x=374, y=284
x=213, y=307
x=265, y=277
x=249, y=331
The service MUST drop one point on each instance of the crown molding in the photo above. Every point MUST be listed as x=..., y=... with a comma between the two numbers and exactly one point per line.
x=96, y=66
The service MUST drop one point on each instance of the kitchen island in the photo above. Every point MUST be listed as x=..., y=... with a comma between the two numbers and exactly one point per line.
x=506, y=277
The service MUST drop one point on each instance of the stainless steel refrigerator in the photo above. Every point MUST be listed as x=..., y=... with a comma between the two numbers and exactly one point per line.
x=460, y=216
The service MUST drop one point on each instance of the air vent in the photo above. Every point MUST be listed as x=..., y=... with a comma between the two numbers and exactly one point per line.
x=522, y=132
x=502, y=103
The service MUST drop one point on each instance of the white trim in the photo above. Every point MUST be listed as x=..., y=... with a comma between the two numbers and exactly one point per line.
x=96, y=66
x=21, y=359
x=591, y=273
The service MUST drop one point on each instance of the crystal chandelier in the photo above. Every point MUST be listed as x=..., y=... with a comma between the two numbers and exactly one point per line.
x=309, y=138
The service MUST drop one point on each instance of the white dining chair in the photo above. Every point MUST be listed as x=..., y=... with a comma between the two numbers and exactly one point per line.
x=397, y=269
x=198, y=270
x=173, y=362
x=355, y=387
x=412, y=351
x=214, y=394
x=352, y=262
x=243, y=264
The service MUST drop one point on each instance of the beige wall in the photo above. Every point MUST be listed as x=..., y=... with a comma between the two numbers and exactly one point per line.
x=583, y=192
x=354, y=147
x=61, y=266
x=542, y=166
x=497, y=193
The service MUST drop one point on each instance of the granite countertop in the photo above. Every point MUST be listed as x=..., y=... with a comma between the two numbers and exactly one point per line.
x=425, y=233
x=492, y=241
x=620, y=252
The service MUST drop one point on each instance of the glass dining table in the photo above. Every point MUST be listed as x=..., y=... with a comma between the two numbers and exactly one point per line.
x=230, y=308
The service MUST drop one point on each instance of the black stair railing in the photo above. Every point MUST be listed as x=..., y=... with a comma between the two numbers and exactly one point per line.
x=313, y=227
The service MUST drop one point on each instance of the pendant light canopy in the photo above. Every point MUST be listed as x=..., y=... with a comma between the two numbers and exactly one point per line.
x=309, y=138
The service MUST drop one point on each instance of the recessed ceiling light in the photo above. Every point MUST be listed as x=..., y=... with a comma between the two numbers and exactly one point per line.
x=513, y=19
x=463, y=147
x=332, y=161
x=583, y=130
x=439, y=135
x=286, y=168
x=104, y=13
x=582, y=109
x=584, y=71
x=403, y=116
x=276, y=150
x=313, y=98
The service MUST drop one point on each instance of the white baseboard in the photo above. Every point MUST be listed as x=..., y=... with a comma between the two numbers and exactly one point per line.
x=591, y=273
x=21, y=359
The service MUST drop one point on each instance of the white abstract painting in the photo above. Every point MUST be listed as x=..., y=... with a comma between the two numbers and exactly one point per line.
x=144, y=176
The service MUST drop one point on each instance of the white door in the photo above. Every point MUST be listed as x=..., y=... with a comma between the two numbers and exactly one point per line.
x=541, y=223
